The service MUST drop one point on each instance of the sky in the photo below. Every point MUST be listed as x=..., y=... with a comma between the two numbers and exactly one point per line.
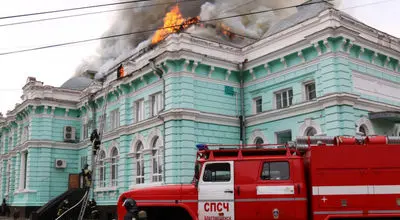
x=56, y=65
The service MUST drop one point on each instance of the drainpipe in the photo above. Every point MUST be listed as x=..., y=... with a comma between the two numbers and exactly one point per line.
x=242, y=117
x=160, y=73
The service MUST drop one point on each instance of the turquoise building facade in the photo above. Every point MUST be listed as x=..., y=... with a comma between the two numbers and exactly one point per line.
x=326, y=74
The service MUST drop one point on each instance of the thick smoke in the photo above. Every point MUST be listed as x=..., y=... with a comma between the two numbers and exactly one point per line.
x=114, y=50
x=132, y=20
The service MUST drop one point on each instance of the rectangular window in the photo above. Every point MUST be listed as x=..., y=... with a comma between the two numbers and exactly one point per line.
x=10, y=143
x=102, y=123
x=8, y=177
x=284, y=98
x=283, y=137
x=83, y=161
x=257, y=102
x=85, y=131
x=310, y=91
x=114, y=119
x=25, y=134
x=156, y=103
x=217, y=172
x=23, y=170
x=139, y=109
x=275, y=171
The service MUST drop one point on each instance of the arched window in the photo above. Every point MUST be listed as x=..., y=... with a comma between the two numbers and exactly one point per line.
x=157, y=160
x=258, y=141
x=311, y=131
x=102, y=169
x=363, y=129
x=114, y=167
x=139, y=163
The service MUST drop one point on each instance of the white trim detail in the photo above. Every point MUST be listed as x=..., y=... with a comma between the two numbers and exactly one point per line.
x=364, y=121
x=155, y=132
x=135, y=141
x=356, y=190
x=275, y=190
x=309, y=123
x=257, y=133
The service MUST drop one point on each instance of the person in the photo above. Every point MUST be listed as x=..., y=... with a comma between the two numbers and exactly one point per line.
x=87, y=176
x=131, y=208
x=142, y=215
x=5, y=210
x=63, y=207
x=92, y=210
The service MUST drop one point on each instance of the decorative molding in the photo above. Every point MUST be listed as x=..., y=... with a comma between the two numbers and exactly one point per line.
x=364, y=121
x=309, y=123
x=257, y=133
x=317, y=105
x=155, y=132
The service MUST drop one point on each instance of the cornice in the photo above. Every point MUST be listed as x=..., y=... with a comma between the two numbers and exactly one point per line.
x=321, y=103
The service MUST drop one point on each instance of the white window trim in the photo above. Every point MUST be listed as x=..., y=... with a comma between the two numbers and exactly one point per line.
x=139, y=110
x=280, y=92
x=22, y=176
x=280, y=132
x=254, y=104
x=139, y=158
x=8, y=177
x=159, y=158
x=159, y=103
x=305, y=92
x=101, y=183
x=114, y=119
x=364, y=121
x=114, y=182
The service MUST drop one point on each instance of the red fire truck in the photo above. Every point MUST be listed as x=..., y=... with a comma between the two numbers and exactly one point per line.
x=313, y=178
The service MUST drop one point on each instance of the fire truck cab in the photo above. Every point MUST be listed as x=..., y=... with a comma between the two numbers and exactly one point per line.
x=313, y=178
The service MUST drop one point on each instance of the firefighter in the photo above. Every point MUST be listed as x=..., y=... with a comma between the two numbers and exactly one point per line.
x=87, y=177
x=142, y=215
x=63, y=207
x=131, y=208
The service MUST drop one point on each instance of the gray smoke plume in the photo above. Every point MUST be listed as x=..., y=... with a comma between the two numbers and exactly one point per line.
x=111, y=51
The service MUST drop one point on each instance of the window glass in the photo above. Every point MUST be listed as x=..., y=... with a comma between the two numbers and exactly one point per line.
x=275, y=171
x=217, y=172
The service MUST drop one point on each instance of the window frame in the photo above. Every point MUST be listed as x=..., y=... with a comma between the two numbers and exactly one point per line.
x=102, y=169
x=214, y=164
x=140, y=110
x=114, y=167
x=157, y=158
x=288, y=99
x=307, y=92
x=256, y=106
x=139, y=175
x=156, y=103
x=114, y=119
x=269, y=170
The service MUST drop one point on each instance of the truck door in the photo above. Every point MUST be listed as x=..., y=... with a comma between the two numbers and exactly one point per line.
x=216, y=191
x=275, y=190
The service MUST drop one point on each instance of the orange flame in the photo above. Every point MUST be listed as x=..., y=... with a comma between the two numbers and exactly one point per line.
x=173, y=23
x=227, y=31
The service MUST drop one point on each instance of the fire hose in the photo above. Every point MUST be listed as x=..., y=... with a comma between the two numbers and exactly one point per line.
x=84, y=196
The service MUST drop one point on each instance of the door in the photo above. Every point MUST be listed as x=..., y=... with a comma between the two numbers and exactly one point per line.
x=73, y=181
x=275, y=190
x=216, y=191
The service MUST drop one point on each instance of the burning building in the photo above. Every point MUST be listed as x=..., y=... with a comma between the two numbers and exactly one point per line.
x=316, y=72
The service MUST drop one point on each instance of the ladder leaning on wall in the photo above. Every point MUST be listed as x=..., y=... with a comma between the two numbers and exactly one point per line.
x=95, y=156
